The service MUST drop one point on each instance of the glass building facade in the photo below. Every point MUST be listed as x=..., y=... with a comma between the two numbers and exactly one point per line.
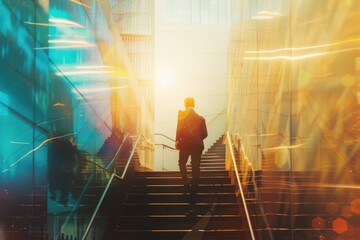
x=294, y=103
x=196, y=11
x=67, y=88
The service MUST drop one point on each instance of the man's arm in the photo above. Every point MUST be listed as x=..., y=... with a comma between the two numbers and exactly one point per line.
x=179, y=128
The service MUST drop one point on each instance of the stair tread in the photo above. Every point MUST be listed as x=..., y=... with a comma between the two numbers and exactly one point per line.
x=176, y=177
x=156, y=208
x=181, y=230
x=180, y=203
x=183, y=216
x=177, y=194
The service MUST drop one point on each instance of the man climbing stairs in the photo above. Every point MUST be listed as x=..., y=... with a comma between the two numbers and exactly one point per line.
x=157, y=208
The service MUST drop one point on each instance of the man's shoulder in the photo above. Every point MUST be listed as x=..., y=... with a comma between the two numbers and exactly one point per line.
x=201, y=117
x=181, y=114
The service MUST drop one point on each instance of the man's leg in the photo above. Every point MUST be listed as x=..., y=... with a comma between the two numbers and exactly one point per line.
x=195, y=166
x=183, y=158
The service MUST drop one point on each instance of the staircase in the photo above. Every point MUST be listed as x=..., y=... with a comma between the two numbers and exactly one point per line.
x=87, y=188
x=23, y=217
x=156, y=207
x=301, y=206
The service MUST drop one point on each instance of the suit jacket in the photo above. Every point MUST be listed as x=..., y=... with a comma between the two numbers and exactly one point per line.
x=191, y=129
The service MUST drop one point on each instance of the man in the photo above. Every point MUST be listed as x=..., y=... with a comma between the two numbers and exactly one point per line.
x=190, y=133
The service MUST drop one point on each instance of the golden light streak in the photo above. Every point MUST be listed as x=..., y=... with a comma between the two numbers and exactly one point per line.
x=53, y=25
x=287, y=57
x=58, y=104
x=92, y=67
x=285, y=49
x=66, y=41
x=260, y=17
x=306, y=48
x=302, y=56
x=80, y=3
x=341, y=186
x=67, y=46
x=65, y=22
x=284, y=147
x=40, y=24
x=94, y=90
x=74, y=73
x=268, y=13
x=263, y=135
x=35, y=149
x=22, y=143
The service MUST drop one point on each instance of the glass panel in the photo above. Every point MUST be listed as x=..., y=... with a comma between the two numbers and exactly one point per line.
x=293, y=104
x=66, y=100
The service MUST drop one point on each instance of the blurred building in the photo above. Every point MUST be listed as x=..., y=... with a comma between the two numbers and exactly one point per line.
x=294, y=105
x=75, y=84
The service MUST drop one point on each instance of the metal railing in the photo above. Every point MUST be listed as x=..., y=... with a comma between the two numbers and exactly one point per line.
x=76, y=205
x=113, y=175
x=228, y=139
x=257, y=192
x=164, y=147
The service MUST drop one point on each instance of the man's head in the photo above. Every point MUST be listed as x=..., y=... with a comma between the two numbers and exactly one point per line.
x=189, y=102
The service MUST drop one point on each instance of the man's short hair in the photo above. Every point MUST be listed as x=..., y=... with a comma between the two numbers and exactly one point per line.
x=189, y=102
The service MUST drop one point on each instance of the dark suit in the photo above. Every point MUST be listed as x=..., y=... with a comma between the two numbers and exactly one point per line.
x=190, y=133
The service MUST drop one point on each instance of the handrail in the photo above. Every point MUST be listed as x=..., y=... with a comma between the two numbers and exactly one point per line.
x=90, y=180
x=165, y=146
x=217, y=115
x=130, y=157
x=208, y=124
x=163, y=135
x=108, y=186
x=227, y=136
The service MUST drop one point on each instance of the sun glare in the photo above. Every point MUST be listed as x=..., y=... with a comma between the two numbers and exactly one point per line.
x=165, y=78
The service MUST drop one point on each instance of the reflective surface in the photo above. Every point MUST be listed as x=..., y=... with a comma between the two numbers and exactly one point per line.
x=294, y=97
x=67, y=97
x=295, y=83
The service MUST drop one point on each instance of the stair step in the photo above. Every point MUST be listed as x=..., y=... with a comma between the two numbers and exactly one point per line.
x=156, y=207
x=178, y=180
x=25, y=209
x=180, y=222
x=207, y=168
x=180, y=234
x=205, y=173
x=302, y=221
x=16, y=235
x=210, y=188
x=179, y=197
x=179, y=208
x=209, y=164
x=298, y=208
x=305, y=196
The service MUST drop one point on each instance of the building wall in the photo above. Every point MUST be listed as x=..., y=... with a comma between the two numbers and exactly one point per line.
x=135, y=25
x=294, y=85
x=66, y=86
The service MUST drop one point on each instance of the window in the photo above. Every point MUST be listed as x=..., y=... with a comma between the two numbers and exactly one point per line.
x=196, y=11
